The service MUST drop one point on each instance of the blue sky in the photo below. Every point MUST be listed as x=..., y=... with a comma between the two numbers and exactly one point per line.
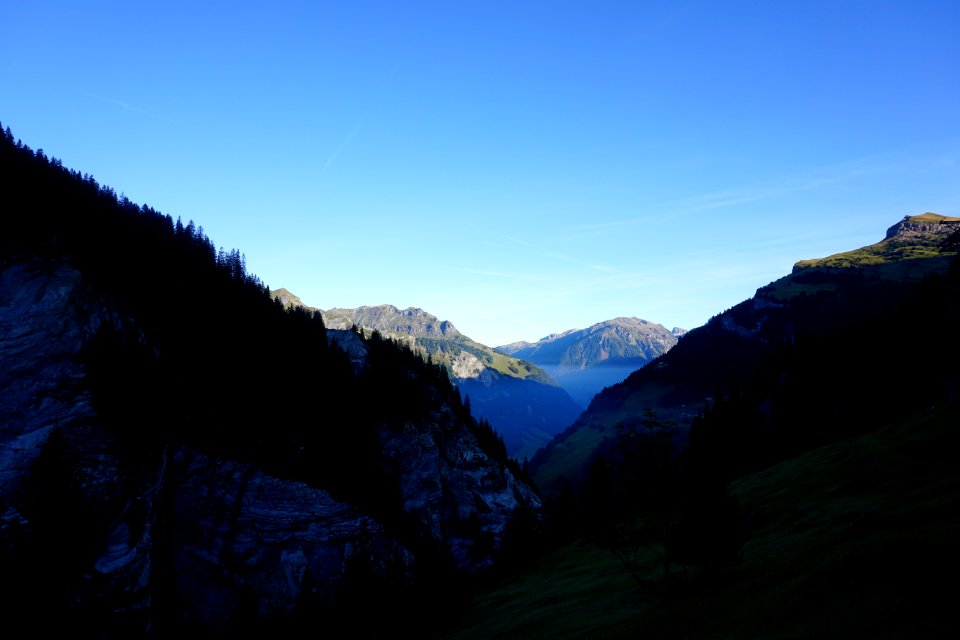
x=518, y=168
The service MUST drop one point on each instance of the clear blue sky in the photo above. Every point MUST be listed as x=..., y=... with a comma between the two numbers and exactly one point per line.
x=518, y=168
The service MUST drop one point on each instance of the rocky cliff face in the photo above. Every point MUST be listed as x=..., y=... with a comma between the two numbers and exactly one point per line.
x=457, y=491
x=43, y=329
x=56, y=461
x=927, y=227
x=129, y=538
x=244, y=538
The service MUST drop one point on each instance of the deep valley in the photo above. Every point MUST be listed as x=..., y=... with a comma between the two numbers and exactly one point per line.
x=185, y=451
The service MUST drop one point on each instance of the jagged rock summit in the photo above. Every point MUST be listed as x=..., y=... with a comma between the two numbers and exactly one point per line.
x=388, y=318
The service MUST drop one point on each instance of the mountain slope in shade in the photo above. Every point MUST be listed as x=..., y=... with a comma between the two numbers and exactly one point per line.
x=841, y=309
x=584, y=361
x=182, y=457
x=844, y=542
x=518, y=398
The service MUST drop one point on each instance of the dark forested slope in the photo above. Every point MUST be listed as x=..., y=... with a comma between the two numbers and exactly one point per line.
x=179, y=452
x=783, y=472
x=814, y=356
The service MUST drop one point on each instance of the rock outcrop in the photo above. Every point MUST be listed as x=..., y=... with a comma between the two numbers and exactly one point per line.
x=927, y=227
x=244, y=538
x=387, y=318
x=127, y=537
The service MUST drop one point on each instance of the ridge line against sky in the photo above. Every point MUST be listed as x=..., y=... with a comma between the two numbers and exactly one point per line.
x=519, y=169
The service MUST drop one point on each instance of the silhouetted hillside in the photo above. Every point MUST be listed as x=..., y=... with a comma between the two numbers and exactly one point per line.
x=846, y=336
x=180, y=450
x=783, y=472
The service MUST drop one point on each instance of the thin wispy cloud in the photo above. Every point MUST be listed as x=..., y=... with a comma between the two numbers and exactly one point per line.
x=543, y=252
x=363, y=118
x=126, y=106
x=514, y=275
x=812, y=180
x=343, y=145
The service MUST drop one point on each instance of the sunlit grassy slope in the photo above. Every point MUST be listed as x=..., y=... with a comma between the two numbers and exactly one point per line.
x=858, y=539
x=896, y=249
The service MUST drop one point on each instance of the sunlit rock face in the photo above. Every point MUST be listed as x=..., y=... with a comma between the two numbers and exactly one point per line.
x=463, y=498
x=461, y=495
x=930, y=227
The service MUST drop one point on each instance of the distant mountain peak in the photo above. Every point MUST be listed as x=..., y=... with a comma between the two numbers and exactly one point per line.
x=583, y=361
x=288, y=298
x=411, y=321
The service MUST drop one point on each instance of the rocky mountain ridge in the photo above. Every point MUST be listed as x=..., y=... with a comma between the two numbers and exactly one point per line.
x=604, y=341
x=584, y=361
x=390, y=320
x=518, y=398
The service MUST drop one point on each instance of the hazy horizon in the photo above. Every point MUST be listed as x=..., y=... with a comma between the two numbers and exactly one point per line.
x=519, y=170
